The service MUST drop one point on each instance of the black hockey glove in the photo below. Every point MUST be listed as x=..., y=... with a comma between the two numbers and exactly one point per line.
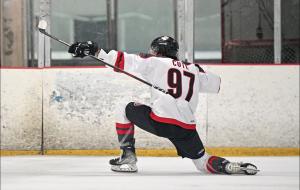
x=82, y=49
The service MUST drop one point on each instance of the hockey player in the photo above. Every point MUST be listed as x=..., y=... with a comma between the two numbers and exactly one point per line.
x=169, y=115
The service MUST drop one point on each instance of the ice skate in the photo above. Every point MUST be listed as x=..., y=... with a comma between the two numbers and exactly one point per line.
x=241, y=168
x=125, y=163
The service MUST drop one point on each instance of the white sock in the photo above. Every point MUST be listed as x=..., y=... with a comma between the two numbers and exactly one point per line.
x=201, y=163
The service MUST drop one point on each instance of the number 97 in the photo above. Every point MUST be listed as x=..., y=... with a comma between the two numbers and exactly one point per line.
x=175, y=83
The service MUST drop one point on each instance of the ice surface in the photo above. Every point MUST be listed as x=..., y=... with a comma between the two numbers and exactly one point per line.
x=155, y=173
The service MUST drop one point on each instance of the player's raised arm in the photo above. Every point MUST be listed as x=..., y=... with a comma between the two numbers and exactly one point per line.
x=131, y=63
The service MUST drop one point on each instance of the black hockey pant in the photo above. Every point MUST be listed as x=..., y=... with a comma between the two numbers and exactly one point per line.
x=187, y=142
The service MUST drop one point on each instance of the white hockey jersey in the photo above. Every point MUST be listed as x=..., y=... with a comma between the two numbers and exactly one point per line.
x=183, y=82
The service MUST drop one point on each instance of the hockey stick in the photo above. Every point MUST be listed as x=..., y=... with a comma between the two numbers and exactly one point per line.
x=42, y=26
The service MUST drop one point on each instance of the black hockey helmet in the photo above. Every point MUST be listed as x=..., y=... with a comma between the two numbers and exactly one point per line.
x=165, y=46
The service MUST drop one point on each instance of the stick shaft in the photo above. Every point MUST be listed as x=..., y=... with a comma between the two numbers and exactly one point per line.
x=54, y=38
x=107, y=64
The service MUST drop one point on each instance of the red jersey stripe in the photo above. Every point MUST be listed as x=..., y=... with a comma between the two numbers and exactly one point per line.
x=172, y=121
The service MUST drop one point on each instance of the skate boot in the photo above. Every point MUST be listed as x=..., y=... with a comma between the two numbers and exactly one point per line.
x=240, y=168
x=126, y=162
x=222, y=166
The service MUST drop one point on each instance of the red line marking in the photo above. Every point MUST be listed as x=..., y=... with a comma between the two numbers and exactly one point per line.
x=248, y=64
x=205, y=64
x=76, y=67
x=28, y=68
x=56, y=67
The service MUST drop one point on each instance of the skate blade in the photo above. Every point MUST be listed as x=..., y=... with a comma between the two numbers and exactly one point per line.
x=249, y=171
x=124, y=168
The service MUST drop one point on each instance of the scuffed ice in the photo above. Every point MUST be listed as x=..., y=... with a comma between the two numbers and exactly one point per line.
x=93, y=173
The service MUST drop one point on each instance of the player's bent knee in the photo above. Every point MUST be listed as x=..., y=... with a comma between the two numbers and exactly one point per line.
x=129, y=108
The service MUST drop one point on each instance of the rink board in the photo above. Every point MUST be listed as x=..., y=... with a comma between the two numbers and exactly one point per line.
x=258, y=106
x=21, y=109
